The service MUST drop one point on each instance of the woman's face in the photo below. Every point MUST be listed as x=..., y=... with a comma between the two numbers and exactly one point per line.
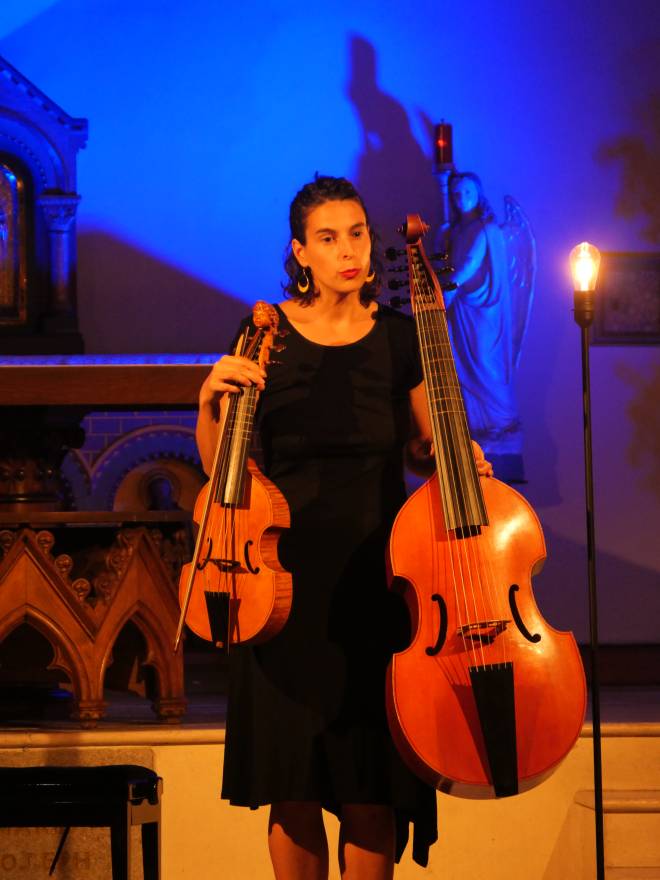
x=337, y=246
x=465, y=195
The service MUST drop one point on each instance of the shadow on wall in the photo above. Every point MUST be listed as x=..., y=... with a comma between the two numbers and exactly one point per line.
x=639, y=193
x=644, y=413
x=628, y=595
x=393, y=174
x=131, y=302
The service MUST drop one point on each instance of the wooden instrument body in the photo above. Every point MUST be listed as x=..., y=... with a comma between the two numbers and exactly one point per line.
x=259, y=588
x=433, y=715
x=488, y=697
x=235, y=590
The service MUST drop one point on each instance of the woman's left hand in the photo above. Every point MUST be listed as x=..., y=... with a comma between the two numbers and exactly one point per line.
x=484, y=468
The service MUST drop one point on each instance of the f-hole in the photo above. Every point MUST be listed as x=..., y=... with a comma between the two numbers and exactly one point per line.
x=513, y=589
x=442, y=629
x=248, y=564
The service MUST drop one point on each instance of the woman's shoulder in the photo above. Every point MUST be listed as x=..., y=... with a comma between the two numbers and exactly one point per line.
x=404, y=349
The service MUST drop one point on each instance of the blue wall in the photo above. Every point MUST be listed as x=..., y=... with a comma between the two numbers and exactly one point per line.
x=206, y=117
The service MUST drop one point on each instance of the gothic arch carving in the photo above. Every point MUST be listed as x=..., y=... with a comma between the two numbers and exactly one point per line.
x=66, y=655
x=82, y=618
x=159, y=648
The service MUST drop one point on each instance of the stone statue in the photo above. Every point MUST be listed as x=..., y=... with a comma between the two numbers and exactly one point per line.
x=494, y=267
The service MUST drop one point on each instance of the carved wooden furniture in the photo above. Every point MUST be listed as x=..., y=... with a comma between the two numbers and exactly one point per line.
x=81, y=616
x=118, y=796
x=80, y=601
x=35, y=437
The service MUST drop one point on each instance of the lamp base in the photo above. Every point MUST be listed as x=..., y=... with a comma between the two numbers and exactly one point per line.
x=583, y=307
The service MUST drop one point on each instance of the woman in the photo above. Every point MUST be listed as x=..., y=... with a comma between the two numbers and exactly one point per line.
x=306, y=726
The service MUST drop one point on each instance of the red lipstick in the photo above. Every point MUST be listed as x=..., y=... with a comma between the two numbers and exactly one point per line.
x=349, y=273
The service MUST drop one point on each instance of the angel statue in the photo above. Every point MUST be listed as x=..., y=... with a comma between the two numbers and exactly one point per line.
x=493, y=265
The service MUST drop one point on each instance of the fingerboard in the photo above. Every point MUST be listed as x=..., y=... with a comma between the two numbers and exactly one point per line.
x=462, y=498
x=237, y=438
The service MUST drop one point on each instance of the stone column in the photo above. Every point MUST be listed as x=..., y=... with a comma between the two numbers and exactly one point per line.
x=60, y=211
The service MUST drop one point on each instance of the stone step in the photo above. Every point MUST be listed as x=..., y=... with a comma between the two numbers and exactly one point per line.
x=631, y=756
x=631, y=820
x=632, y=874
x=623, y=800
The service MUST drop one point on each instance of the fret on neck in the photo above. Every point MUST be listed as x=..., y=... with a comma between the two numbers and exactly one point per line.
x=462, y=498
x=236, y=447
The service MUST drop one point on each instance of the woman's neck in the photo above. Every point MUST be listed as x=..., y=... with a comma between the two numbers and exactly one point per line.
x=331, y=306
x=332, y=319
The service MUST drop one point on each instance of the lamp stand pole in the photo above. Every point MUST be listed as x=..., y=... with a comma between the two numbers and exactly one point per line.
x=584, y=315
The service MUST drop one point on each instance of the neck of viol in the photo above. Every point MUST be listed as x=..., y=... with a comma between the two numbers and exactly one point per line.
x=235, y=448
x=462, y=498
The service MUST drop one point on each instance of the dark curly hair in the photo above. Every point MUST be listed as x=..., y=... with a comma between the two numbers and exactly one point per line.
x=319, y=191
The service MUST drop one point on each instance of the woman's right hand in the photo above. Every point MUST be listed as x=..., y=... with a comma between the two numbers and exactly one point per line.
x=229, y=375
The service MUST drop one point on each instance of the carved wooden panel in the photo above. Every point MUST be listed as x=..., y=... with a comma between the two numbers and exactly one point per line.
x=81, y=616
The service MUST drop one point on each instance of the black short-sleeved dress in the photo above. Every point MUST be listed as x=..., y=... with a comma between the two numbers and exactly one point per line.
x=306, y=714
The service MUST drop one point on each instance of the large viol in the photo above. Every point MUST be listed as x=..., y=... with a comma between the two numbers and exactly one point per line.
x=235, y=590
x=488, y=698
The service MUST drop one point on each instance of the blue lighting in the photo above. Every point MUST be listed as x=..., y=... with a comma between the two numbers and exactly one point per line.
x=205, y=118
x=105, y=360
x=9, y=175
x=14, y=14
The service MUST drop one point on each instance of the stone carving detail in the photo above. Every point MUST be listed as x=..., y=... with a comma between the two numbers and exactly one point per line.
x=59, y=211
x=39, y=142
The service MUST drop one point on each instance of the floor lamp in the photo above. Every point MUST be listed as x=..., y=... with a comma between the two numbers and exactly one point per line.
x=585, y=262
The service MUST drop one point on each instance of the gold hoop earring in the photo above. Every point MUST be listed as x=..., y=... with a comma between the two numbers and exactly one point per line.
x=370, y=277
x=303, y=288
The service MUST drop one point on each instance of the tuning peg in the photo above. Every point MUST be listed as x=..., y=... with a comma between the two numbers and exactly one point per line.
x=282, y=332
x=398, y=301
x=274, y=363
x=395, y=284
x=392, y=253
x=443, y=270
x=450, y=286
x=277, y=347
x=439, y=257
